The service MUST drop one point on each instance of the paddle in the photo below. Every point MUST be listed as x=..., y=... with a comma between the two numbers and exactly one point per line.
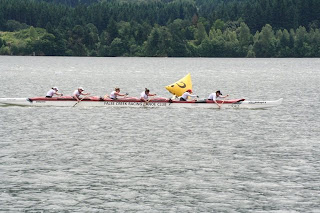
x=223, y=101
x=147, y=102
x=80, y=100
x=221, y=104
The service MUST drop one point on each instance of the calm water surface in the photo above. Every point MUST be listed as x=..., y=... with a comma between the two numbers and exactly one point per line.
x=61, y=159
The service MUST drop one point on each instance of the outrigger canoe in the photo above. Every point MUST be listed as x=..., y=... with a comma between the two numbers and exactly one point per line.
x=96, y=101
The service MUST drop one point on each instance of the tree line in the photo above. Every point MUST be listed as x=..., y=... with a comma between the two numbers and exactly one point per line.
x=173, y=28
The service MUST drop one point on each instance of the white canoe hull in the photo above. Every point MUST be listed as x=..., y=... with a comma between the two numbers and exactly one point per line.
x=163, y=104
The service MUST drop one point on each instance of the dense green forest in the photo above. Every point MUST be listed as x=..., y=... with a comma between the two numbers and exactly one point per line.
x=173, y=28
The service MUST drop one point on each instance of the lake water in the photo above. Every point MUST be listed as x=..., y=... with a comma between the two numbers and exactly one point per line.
x=61, y=159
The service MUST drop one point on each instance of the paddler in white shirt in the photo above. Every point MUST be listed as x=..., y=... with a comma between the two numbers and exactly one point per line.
x=145, y=94
x=116, y=93
x=76, y=94
x=187, y=94
x=213, y=97
x=53, y=91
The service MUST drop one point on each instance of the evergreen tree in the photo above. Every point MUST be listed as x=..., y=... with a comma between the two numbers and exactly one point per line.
x=301, y=43
x=117, y=47
x=265, y=42
x=200, y=33
x=245, y=39
x=76, y=41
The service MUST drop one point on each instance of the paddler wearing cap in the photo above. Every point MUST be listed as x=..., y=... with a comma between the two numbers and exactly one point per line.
x=76, y=94
x=213, y=97
x=53, y=91
x=187, y=94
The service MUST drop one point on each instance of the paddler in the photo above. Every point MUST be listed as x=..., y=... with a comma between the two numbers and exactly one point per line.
x=76, y=94
x=145, y=94
x=116, y=93
x=187, y=94
x=213, y=97
x=53, y=91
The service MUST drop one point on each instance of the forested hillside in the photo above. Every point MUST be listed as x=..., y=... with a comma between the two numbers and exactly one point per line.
x=174, y=28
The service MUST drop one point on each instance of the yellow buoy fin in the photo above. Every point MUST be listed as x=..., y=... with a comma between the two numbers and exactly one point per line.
x=179, y=87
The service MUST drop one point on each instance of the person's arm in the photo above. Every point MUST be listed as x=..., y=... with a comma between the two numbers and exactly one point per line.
x=220, y=96
x=142, y=99
x=118, y=94
x=152, y=94
x=58, y=94
x=193, y=96
x=76, y=97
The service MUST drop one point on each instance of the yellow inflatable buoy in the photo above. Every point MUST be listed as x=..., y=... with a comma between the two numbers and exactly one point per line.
x=179, y=87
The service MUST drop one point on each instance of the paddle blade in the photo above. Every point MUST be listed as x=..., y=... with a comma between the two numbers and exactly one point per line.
x=179, y=87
